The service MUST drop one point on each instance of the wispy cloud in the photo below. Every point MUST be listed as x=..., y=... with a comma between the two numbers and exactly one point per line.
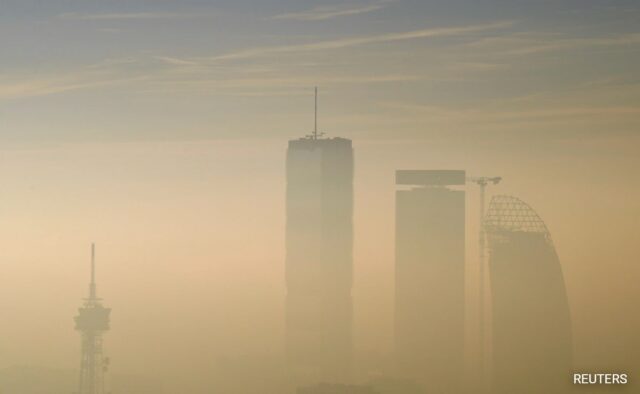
x=109, y=30
x=576, y=43
x=47, y=86
x=532, y=43
x=359, y=41
x=99, y=75
x=238, y=82
x=540, y=113
x=131, y=16
x=334, y=11
x=536, y=114
x=176, y=61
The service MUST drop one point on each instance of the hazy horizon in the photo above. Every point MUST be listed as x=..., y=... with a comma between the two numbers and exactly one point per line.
x=159, y=132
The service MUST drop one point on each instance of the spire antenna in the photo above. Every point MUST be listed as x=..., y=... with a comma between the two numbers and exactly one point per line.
x=315, y=134
x=92, y=322
x=315, y=119
x=92, y=286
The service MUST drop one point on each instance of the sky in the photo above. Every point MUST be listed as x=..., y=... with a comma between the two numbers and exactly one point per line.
x=158, y=129
x=161, y=70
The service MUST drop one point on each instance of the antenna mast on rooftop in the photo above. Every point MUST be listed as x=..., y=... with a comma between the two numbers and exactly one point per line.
x=92, y=285
x=315, y=135
x=315, y=118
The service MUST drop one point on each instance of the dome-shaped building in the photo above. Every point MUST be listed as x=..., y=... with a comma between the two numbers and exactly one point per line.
x=531, y=323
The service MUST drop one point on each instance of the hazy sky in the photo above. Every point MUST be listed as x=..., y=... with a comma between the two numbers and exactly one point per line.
x=158, y=129
x=142, y=69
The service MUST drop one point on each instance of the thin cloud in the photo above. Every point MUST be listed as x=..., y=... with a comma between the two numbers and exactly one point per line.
x=131, y=16
x=359, y=41
x=176, y=61
x=536, y=43
x=563, y=44
x=237, y=85
x=49, y=86
x=99, y=75
x=540, y=114
x=109, y=30
x=335, y=11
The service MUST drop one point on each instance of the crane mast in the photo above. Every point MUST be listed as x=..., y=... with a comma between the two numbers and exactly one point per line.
x=482, y=182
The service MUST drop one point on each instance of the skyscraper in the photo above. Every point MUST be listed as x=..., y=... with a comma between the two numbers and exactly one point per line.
x=430, y=253
x=531, y=324
x=319, y=263
x=92, y=321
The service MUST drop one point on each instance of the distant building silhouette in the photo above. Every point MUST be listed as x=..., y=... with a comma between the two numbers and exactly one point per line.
x=92, y=321
x=41, y=380
x=531, y=326
x=319, y=263
x=430, y=280
x=336, y=389
x=396, y=386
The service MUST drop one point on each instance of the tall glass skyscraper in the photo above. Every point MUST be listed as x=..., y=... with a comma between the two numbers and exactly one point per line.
x=319, y=262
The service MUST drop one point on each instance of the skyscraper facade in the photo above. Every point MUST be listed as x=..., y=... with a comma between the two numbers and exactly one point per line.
x=430, y=253
x=319, y=262
x=531, y=323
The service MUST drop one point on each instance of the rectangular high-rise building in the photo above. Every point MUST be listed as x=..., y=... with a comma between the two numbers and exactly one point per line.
x=430, y=264
x=319, y=261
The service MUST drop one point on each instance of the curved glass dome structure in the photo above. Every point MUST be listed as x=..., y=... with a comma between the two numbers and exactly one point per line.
x=531, y=326
x=508, y=213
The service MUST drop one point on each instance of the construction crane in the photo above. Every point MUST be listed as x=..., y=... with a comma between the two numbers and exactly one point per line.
x=483, y=182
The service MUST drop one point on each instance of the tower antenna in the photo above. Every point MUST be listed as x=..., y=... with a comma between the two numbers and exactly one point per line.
x=315, y=134
x=315, y=119
x=92, y=286
x=92, y=322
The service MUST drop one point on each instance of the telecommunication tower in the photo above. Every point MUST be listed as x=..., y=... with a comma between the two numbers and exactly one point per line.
x=92, y=322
